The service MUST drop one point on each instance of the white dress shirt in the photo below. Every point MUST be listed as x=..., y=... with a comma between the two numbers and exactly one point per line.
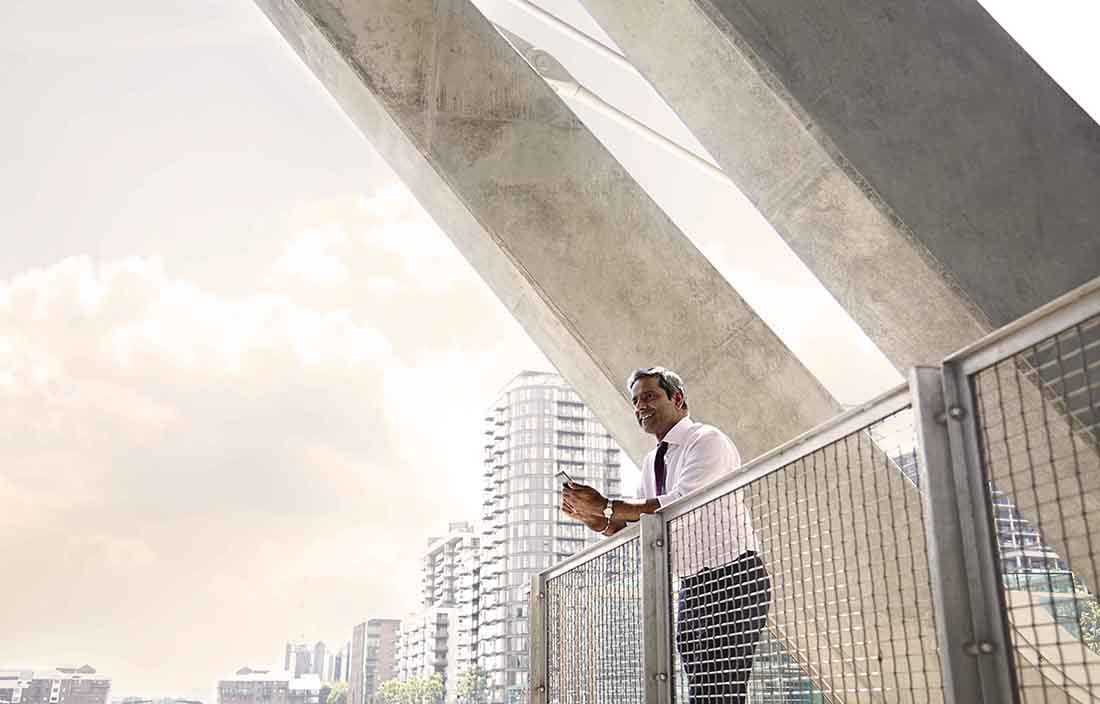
x=697, y=455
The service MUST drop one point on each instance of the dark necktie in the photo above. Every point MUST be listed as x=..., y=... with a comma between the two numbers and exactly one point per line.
x=659, y=468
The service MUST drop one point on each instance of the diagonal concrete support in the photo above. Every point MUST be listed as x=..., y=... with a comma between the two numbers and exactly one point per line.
x=597, y=274
x=927, y=171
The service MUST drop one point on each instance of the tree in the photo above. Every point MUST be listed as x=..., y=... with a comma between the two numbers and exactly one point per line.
x=418, y=690
x=394, y=692
x=338, y=693
x=473, y=686
x=1088, y=616
x=432, y=690
x=414, y=690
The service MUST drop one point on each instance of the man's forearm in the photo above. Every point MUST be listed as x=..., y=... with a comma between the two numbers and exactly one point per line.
x=614, y=527
x=626, y=512
x=632, y=512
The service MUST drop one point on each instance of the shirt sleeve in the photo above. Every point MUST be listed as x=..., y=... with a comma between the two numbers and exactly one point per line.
x=709, y=457
x=646, y=471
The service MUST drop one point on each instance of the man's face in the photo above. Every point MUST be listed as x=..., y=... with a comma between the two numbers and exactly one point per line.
x=655, y=411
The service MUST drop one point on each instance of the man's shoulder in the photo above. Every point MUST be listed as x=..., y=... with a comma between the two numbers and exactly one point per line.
x=700, y=431
x=708, y=438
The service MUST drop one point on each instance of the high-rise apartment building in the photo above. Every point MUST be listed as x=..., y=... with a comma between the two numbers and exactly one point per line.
x=440, y=573
x=425, y=647
x=441, y=637
x=537, y=427
x=467, y=604
x=63, y=685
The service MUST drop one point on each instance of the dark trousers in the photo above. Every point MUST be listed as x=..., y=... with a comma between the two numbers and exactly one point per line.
x=721, y=613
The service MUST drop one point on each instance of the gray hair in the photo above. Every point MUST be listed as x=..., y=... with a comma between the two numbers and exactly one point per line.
x=668, y=380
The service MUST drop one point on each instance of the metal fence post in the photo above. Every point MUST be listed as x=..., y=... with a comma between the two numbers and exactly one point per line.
x=946, y=564
x=990, y=645
x=656, y=611
x=539, y=682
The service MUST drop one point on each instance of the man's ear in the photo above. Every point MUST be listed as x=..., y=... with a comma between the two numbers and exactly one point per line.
x=678, y=399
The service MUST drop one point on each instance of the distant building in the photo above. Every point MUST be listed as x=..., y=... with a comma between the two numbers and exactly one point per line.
x=248, y=686
x=298, y=659
x=1020, y=545
x=339, y=672
x=380, y=663
x=154, y=700
x=357, y=655
x=320, y=658
x=537, y=427
x=424, y=649
x=441, y=637
x=63, y=685
x=373, y=658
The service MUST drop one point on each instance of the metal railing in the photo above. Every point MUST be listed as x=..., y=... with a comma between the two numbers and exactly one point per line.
x=934, y=545
x=1023, y=405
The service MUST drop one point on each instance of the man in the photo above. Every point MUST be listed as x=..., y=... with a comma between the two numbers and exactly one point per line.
x=724, y=605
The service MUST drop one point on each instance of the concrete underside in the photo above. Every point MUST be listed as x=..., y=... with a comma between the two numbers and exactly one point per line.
x=927, y=171
x=596, y=273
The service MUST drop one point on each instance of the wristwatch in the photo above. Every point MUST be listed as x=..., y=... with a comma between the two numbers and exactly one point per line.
x=609, y=509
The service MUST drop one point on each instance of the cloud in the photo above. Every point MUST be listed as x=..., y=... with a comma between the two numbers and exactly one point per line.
x=314, y=258
x=273, y=460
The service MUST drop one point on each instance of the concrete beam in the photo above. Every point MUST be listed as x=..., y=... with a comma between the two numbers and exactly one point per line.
x=922, y=165
x=597, y=274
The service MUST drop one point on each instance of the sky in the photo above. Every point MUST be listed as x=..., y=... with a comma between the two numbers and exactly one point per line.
x=226, y=331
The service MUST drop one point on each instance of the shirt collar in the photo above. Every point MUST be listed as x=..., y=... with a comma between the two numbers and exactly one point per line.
x=675, y=434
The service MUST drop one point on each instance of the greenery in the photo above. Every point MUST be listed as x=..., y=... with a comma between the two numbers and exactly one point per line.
x=419, y=690
x=1089, y=614
x=337, y=693
x=473, y=687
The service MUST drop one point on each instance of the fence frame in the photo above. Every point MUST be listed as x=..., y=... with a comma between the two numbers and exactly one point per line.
x=973, y=639
x=1057, y=316
x=963, y=626
x=991, y=644
x=656, y=610
x=539, y=659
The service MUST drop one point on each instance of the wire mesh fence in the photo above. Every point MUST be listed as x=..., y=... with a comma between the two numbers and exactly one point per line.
x=810, y=584
x=806, y=577
x=594, y=630
x=1037, y=421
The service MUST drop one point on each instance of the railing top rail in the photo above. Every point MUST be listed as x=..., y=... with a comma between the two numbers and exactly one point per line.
x=1044, y=322
x=592, y=552
x=832, y=430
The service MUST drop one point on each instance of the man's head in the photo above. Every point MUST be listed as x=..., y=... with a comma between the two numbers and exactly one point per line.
x=658, y=398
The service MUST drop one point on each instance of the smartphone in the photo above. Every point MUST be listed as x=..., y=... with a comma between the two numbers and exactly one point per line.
x=564, y=478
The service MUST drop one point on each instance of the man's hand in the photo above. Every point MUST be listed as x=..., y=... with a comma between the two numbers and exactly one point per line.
x=592, y=522
x=584, y=501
